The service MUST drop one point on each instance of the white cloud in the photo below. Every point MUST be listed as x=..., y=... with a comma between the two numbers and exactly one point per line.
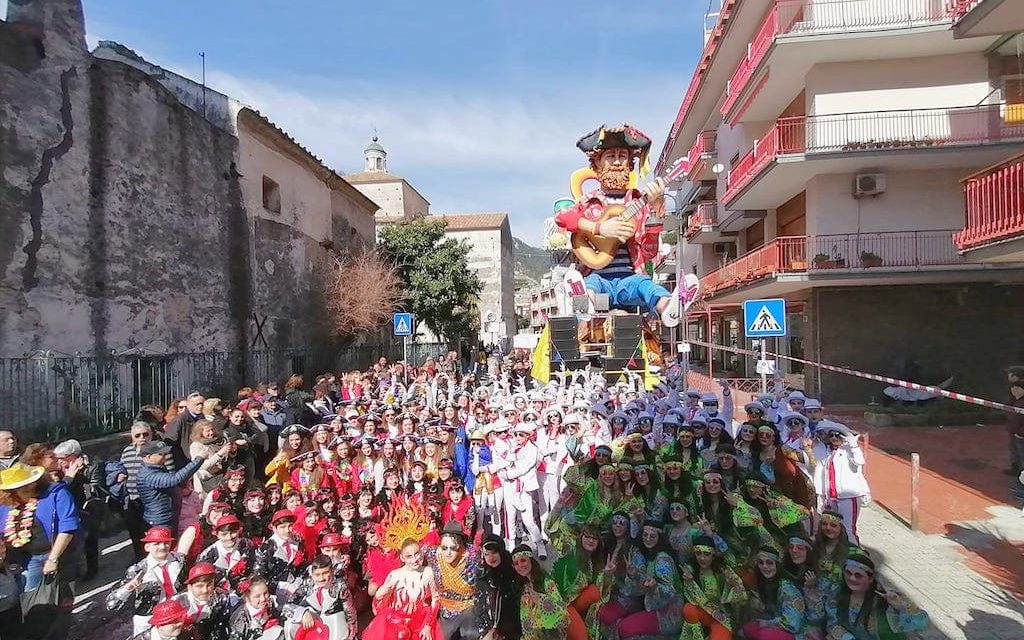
x=465, y=151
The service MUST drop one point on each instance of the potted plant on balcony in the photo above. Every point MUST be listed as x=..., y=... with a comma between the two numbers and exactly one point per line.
x=825, y=261
x=869, y=259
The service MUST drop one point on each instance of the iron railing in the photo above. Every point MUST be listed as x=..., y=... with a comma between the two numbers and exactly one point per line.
x=705, y=215
x=896, y=250
x=959, y=8
x=812, y=17
x=705, y=145
x=876, y=131
x=56, y=396
x=994, y=205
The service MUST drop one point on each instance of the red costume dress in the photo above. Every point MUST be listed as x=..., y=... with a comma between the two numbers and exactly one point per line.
x=402, y=616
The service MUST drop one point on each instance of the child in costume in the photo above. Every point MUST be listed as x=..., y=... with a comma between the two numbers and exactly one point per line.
x=713, y=592
x=255, y=518
x=281, y=556
x=322, y=596
x=155, y=578
x=258, y=617
x=407, y=602
x=231, y=554
x=207, y=607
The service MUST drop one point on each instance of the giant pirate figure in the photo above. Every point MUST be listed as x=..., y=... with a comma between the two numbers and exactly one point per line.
x=611, y=233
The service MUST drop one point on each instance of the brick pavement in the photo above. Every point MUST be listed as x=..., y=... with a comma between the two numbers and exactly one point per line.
x=933, y=573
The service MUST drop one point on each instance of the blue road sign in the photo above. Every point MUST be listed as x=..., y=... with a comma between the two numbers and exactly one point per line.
x=402, y=324
x=764, y=318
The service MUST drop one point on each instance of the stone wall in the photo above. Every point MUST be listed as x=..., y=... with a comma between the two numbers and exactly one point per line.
x=969, y=331
x=124, y=220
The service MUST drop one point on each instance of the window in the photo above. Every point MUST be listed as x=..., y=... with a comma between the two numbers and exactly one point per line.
x=271, y=195
x=380, y=164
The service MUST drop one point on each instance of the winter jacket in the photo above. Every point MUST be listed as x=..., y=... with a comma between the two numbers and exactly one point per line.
x=158, y=491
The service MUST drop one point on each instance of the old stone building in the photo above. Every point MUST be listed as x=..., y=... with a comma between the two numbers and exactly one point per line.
x=143, y=211
x=397, y=199
x=490, y=254
x=488, y=235
x=156, y=236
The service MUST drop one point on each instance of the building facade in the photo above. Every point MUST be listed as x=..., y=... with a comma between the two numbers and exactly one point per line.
x=489, y=237
x=824, y=142
x=145, y=213
x=395, y=197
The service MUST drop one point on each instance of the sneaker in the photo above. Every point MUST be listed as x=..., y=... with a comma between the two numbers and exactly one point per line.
x=670, y=316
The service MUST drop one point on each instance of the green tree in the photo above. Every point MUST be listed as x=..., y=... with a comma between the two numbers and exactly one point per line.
x=438, y=286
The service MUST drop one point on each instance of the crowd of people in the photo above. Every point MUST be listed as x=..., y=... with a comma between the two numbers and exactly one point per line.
x=434, y=503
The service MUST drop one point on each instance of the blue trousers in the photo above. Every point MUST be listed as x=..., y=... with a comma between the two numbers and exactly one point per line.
x=32, y=572
x=632, y=291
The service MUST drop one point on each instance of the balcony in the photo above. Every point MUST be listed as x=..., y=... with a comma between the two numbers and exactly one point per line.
x=972, y=18
x=913, y=139
x=798, y=262
x=994, y=203
x=795, y=35
x=702, y=223
x=701, y=157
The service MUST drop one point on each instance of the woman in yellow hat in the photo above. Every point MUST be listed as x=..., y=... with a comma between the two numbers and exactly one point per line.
x=39, y=520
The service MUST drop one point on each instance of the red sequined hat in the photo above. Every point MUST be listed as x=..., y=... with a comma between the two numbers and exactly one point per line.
x=168, y=612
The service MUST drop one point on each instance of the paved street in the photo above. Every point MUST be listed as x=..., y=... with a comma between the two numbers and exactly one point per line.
x=931, y=570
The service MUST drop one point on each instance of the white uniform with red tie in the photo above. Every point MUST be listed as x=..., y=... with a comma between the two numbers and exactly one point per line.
x=321, y=599
x=285, y=549
x=521, y=493
x=226, y=559
x=165, y=574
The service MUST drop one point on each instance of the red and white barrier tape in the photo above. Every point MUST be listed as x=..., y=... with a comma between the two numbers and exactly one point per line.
x=962, y=397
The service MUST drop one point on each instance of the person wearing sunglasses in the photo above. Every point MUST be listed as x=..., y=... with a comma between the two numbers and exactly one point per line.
x=141, y=434
x=839, y=474
x=712, y=408
x=864, y=609
x=521, y=479
x=454, y=566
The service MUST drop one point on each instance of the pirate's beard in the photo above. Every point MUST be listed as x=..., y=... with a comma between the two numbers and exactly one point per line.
x=614, y=178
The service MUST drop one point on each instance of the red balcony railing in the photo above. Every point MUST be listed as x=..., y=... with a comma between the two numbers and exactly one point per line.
x=756, y=51
x=760, y=263
x=898, y=250
x=994, y=203
x=960, y=8
x=775, y=142
x=876, y=131
x=808, y=17
x=705, y=215
x=705, y=144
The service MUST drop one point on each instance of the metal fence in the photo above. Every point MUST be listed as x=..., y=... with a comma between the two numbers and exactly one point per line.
x=52, y=397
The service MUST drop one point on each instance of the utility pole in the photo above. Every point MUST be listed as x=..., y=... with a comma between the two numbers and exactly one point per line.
x=202, y=54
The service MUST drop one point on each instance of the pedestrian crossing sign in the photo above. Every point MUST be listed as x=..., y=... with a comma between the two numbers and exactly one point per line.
x=402, y=324
x=764, y=318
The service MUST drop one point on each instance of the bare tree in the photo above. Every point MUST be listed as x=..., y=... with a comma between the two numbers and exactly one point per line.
x=362, y=293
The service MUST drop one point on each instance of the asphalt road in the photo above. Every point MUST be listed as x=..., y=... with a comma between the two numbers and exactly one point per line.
x=90, y=619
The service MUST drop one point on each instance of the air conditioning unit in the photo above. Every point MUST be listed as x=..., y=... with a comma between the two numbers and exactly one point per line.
x=868, y=184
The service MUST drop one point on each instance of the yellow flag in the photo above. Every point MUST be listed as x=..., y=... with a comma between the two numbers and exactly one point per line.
x=542, y=356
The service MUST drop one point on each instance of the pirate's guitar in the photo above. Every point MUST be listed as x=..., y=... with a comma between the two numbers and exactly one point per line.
x=597, y=252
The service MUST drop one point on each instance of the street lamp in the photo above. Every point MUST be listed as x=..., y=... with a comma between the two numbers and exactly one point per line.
x=673, y=340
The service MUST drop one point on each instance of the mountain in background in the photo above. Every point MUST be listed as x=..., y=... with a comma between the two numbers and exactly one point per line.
x=530, y=262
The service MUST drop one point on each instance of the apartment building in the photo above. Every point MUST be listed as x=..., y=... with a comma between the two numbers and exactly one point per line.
x=543, y=300
x=824, y=143
x=994, y=197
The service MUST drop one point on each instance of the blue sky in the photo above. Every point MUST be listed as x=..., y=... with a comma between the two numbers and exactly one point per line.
x=479, y=103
